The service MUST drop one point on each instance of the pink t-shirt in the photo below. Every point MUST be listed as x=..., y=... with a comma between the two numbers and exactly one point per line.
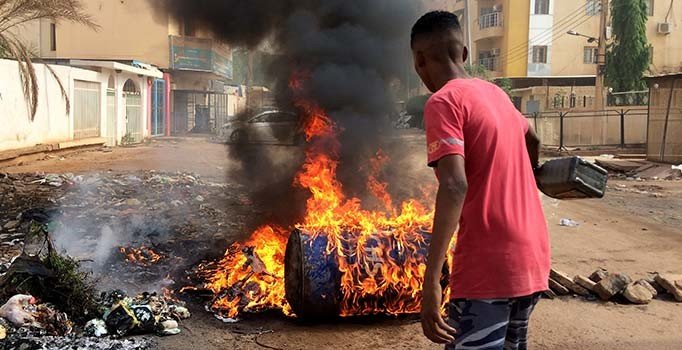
x=502, y=248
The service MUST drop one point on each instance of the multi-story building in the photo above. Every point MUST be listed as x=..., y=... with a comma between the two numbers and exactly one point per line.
x=197, y=91
x=528, y=41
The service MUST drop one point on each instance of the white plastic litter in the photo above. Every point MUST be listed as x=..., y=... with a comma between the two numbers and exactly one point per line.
x=568, y=223
x=14, y=312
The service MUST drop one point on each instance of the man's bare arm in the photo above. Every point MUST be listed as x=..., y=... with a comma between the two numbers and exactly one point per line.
x=449, y=202
x=533, y=146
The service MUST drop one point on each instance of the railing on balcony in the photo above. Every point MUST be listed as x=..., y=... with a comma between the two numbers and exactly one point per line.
x=489, y=20
x=200, y=54
x=490, y=63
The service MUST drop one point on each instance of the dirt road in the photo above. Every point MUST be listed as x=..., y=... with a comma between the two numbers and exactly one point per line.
x=636, y=229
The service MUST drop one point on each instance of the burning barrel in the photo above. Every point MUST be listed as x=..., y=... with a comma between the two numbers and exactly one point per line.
x=379, y=273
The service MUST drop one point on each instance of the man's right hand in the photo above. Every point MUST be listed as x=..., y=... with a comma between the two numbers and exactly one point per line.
x=434, y=326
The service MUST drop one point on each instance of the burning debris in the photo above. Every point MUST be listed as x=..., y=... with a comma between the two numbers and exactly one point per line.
x=142, y=256
x=350, y=260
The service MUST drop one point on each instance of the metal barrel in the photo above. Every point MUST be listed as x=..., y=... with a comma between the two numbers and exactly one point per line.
x=312, y=276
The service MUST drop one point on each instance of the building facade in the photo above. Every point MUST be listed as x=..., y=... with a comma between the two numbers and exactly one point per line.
x=529, y=38
x=196, y=91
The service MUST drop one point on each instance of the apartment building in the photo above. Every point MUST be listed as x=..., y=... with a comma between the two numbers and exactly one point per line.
x=529, y=38
x=529, y=42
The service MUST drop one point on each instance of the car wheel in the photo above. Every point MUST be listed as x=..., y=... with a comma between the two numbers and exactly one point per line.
x=238, y=136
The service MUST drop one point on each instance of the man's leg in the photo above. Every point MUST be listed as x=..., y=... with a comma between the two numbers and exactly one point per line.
x=480, y=324
x=517, y=332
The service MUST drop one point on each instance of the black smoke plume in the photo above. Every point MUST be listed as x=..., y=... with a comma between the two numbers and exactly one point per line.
x=353, y=51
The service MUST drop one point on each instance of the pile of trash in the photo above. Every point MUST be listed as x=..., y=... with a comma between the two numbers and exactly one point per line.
x=143, y=314
x=637, y=169
x=28, y=324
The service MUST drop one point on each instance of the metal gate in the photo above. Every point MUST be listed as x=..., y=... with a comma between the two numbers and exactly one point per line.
x=86, y=110
x=111, y=117
x=158, y=108
x=133, y=117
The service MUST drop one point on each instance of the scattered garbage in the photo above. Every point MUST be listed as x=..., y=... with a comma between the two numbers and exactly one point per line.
x=144, y=314
x=568, y=223
x=96, y=328
x=15, y=310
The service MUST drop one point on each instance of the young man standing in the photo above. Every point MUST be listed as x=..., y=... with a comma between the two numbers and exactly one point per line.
x=484, y=152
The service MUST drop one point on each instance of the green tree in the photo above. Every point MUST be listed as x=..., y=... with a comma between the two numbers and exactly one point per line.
x=14, y=14
x=477, y=71
x=627, y=58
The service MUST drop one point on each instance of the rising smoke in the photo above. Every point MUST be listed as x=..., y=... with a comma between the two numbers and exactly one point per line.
x=353, y=52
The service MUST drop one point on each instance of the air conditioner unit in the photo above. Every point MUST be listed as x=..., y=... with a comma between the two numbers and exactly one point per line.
x=665, y=28
x=497, y=8
x=495, y=52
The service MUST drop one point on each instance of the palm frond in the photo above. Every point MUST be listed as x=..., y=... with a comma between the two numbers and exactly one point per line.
x=14, y=13
x=27, y=72
x=65, y=94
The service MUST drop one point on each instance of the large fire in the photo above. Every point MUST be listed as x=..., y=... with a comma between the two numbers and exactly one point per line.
x=250, y=276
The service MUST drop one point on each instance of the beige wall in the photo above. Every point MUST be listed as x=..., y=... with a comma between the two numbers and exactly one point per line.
x=660, y=96
x=567, y=50
x=667, y=48
x=129, y=30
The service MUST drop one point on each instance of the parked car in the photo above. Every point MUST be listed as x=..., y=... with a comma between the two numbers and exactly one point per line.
x=268, y=127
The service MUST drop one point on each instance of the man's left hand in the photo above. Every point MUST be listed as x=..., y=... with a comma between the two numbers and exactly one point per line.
x=434, y=326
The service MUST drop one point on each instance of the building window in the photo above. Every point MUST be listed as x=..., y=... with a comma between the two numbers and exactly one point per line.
x=542, y=7
x=53, y=37
x=188, y=28
x=489, y=59
x=649, y=7
x=651, y=55
x=539, y=54
x=593, y=7
x=590, y=55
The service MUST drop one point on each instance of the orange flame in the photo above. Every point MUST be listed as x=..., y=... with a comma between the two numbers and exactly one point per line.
x=250, y=277
x=143, y=256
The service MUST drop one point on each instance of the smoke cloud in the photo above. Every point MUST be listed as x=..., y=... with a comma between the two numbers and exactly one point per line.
x=353, y=53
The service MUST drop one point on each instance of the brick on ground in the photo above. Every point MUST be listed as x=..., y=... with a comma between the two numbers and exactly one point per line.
x=599, y=275
x=557, y=288
x=567, y=282
x=672, y=284
x=637, y=294
x=612, y=285
x=584, y=282
x=644, y=283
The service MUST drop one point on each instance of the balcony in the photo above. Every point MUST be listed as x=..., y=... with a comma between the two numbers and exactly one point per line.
x=490, y=25
x=490, y=63
x=202, y=55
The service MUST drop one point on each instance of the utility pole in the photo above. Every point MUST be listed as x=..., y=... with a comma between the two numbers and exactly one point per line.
x=601, y=57
x=467, y=8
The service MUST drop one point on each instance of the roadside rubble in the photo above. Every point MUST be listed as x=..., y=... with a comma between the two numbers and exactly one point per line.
x=607, y=286
x=632, y=169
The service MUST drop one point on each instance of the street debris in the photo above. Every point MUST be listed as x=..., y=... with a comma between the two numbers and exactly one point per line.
x=50, y=300
x=615, y=286
x=640, y=169
x=568, y=223
x=15, y=311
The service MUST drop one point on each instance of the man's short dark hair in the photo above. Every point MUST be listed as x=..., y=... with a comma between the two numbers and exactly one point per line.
x=435, y=22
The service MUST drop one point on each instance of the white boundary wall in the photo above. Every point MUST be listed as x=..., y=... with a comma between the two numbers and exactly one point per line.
x=51, y=123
